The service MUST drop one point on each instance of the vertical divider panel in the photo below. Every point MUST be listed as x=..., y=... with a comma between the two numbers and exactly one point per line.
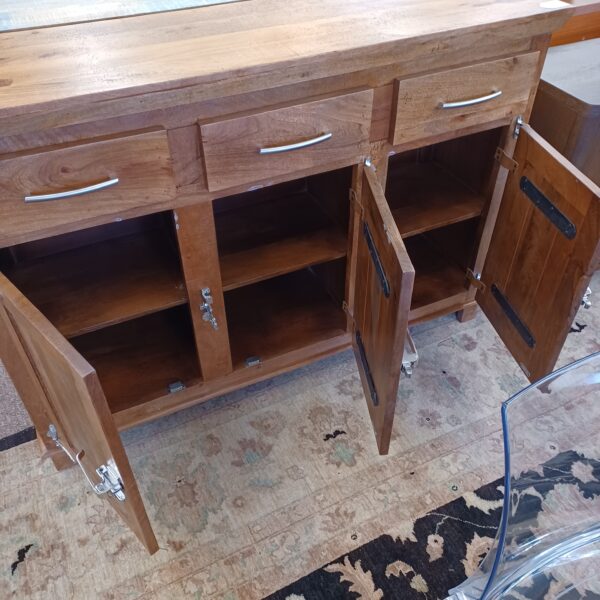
x=196, y=236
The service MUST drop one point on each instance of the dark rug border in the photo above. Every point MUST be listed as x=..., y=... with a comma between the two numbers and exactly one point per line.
x=16, y=439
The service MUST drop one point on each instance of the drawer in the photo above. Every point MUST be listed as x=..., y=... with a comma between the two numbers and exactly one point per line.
x=51, y=190
x=439, y=103
x=287, y=140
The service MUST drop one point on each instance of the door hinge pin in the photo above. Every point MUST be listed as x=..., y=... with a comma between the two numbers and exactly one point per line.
x=518, y=124
x=505, y=160
x=586, y=301
x=475, y=279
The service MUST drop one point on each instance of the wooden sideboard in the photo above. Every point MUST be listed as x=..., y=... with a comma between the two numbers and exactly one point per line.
x=195, y=201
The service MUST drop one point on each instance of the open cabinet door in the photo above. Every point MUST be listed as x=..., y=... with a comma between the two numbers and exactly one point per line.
x=544, y=250
x=84, y=428
x=383, y=290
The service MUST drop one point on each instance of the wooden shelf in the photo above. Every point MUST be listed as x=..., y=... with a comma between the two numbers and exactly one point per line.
x=278, y=258
x=423, y=196
x=274, y=236
x=137, y=360
x=102, y=284
x=437, y=277
x=279, y=315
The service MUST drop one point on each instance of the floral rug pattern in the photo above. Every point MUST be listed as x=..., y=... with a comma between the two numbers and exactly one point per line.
x=443, y=548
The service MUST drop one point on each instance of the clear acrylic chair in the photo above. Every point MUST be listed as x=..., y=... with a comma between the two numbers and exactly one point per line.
x=548, y=541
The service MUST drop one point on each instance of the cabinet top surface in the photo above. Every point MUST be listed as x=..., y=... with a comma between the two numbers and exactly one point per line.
x=98, y=61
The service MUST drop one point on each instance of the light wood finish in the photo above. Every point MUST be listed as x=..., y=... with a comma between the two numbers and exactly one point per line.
x=380, y=320
x=231, y=148
x=161, y=346
x=235, y=48
x=542, y=274
x=141, y=163
x=75, y=395
x=577, y=29
x=566, y=112
x=280, y=315
x=199, y=258
x=84, y=289
x=419, y=114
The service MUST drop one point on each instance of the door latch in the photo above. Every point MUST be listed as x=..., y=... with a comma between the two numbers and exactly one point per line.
x=518, y=124
x=110, y=478
x=206, y=308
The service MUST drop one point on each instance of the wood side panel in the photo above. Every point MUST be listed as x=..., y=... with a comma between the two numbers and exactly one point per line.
x=197, y=240
x=541, y=272
x=30, y=391
x=578, y=28
x=231, y=147
x=380, y=320
x=419, y=114
x=141, y=163
x=83, y=419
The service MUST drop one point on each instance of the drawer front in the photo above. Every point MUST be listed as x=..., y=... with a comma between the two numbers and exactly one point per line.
x=274, y=143
x=83, y=182
x=439, y=103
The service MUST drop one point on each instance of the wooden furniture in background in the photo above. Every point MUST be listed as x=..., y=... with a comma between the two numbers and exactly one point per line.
x=388, y=132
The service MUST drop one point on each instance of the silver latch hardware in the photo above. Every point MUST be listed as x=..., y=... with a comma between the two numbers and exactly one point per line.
x=253, y=361
x=206, y=308
x=110, y=478
x=586, y=301
x=410, y=357
x=518, y=124
x=176, y=386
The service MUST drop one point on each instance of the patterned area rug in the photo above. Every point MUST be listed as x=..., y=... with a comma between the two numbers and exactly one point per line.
x=440, y=550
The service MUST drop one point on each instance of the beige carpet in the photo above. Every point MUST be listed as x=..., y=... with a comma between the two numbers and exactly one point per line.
x=246, y=494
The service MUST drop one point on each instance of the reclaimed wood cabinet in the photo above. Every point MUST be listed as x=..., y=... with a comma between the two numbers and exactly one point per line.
x=155, y=260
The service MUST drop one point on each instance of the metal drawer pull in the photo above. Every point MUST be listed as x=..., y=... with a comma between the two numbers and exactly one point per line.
x=472, y=101
x=110, y=478
x=297, y=146
x=70, y=193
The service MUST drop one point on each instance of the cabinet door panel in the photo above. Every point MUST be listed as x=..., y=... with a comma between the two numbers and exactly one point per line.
x=544, y=250
x=384, y=281
x=84, y=422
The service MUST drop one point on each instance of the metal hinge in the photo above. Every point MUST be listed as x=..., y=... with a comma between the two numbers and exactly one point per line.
x=410, y=357
x=206, y=308
x=518, y=124
x=505, y=160
x=586, y=301
x=110, y=478
x=475, y=279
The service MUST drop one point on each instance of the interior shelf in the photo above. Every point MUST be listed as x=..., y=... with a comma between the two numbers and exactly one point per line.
x=137, y=360
x=86, y=288
x=279, y=315
x=425, y=196
x=440, y=259
x=278, y=230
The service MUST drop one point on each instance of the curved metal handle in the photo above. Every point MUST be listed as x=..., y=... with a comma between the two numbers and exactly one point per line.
x=297, y=146
x=70, y=193
x=472, y=101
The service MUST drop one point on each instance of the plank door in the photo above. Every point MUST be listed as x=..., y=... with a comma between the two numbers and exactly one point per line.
x=383, y=290
x=85, y=423
x=544, y=250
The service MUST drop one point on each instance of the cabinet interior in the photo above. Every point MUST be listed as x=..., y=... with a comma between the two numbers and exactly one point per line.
x=437, y=195
x=118, y=293
x=282, y=255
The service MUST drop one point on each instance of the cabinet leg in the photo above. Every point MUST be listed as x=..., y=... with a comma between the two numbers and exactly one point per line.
x=468, y=312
